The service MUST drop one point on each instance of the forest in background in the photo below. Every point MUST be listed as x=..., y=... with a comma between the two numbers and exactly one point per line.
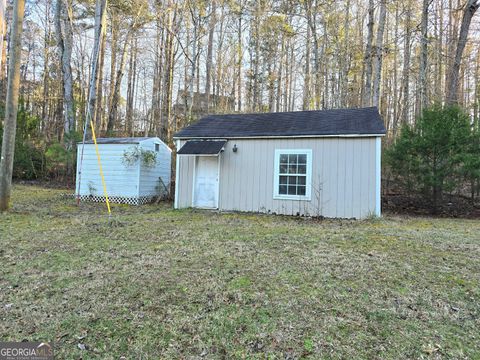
x=148, y=68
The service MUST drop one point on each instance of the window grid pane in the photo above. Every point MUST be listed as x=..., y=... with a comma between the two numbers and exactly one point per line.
x=293, y=174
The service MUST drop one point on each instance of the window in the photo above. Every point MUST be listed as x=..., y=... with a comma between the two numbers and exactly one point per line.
x=157, y=147
x=293, y=174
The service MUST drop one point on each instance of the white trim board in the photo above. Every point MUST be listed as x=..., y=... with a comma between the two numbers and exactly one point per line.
x=219, y=159
x=378, y=176
x=177, y=171
x=192, y=202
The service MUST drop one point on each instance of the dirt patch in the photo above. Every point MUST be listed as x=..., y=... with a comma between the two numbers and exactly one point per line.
x=48, y=184
x=454, y=206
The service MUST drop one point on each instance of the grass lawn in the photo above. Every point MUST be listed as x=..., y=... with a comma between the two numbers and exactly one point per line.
x=153, y=283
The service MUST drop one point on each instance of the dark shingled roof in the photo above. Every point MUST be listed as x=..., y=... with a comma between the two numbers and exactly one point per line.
x=120, y=140
x=360, y=121
x=200, y=147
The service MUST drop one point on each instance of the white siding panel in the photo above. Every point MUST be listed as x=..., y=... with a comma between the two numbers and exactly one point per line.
x=185, y=177
x=371, y=178
x=120, y=180
x=149, y=177
x=355, y=180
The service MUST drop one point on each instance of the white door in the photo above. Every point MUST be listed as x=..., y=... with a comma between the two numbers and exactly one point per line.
x=206, y=182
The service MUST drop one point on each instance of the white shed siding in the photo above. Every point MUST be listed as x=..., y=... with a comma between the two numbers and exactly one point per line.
x=185, y=179
x=343, y=177
x=122, y=181
x=149, y=177
x=119, y=179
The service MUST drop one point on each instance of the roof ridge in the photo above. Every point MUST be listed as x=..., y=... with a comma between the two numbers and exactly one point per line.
x=292, y=112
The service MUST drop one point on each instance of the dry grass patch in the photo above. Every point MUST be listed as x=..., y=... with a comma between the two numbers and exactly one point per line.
x=157, y=283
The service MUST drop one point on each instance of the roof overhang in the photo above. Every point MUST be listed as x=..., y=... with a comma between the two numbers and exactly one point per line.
x=283, y=137
x=202, y=147
x=119, y=140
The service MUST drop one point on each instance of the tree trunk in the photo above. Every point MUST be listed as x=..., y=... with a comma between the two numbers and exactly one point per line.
x=343, y=80
x=453, y=83
x=367, y=92
x=406, y=66
x=8, y=143
x=286, y=82
x=219, y=78
x=306, y=83
x=256, y=62
x=439, y=56
x=132, y=69
x=46, y=67
x=393, y=124
x=3, y=47
x=318, y=77
x=379, y=53
x=64, y=34
x=194, y=65
x=112, y=116
x=98, y=119
x=156, y=113
x=239, y=64
x=312, y=23
x=423, y=55
x=3, y=61
x=100, y=17
x=199, y=46
x=208, y=69
x=325, y=65
x=168, y=77
x=280, y=74
x=114, y=28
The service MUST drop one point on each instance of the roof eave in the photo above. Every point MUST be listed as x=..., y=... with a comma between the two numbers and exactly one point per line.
x=278, y=136
x=109, y=143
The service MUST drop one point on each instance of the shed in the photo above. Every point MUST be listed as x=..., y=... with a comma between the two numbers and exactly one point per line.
x=313, y=163
x=136, y=169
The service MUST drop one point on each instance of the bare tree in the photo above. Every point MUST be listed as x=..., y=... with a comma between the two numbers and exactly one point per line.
x=208, y=69
x=8, y=143
x=379, y=52
x=239, y=59
x=452, y=81
x=424, y=54
x=367, y=92
x=64, y=34
x=3, y=30
x=132, y=72
x=112, y=114
x=306, y=84
x=406, y=63
x=100, y=20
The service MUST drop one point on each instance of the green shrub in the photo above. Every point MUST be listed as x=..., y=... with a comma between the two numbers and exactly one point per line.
x=34, y=157
x=435, y=154
x=28, y=159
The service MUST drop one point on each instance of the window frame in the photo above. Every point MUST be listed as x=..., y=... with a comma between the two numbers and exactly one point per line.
x=308, y=174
